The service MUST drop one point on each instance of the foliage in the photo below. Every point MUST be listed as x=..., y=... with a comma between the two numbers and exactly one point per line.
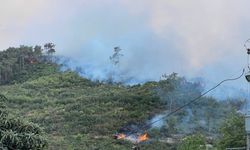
x=203, y=116
x=17, y=134
x=24, y=63
x=77, y=113
x=74, y=110
x=115, y=58
x=192, y=142
x=232, y=132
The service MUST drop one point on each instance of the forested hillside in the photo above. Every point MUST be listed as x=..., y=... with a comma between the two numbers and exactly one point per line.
x=77, y=113
x=26, y=63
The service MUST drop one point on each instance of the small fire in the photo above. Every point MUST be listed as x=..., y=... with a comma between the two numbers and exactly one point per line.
x=121, y=136
x=143, y=137
x=132, y=138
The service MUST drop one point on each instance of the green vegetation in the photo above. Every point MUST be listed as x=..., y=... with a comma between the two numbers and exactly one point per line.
x=232, y=132
x=77, y=113
x=193, y=142
x=25, y=63
x=18, y=134
x=74, y=110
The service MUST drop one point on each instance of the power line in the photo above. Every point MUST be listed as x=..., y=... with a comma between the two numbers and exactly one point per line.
x=197, y=98
x=147, y=126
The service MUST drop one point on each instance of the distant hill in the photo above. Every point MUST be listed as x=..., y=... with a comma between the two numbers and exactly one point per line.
x=77, y=113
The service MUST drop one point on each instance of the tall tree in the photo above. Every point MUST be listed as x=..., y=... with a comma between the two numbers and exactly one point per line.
x=38, y=50
x=50, y=50
x=115, y=58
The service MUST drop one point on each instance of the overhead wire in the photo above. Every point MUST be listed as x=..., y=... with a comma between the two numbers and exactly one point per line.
x=147, y=126
x=196, y=99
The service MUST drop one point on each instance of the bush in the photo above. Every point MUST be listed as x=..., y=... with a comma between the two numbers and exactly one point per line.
x=232, y=132
x=192, y=142
x=17, y=134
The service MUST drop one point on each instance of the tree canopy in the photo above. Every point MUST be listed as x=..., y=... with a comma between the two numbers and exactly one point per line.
x=232, y=132
x=25, y=63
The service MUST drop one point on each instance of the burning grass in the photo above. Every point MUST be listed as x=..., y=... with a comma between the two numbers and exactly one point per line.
x=133, y=138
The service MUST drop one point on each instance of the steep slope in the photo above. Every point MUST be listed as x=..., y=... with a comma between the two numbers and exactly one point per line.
x=74, y=110
x=77, y=113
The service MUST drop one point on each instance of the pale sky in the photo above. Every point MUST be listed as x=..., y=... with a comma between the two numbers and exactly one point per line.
x=195, y=38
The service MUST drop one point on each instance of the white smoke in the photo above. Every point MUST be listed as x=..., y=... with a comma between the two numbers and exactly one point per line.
x=195, y=38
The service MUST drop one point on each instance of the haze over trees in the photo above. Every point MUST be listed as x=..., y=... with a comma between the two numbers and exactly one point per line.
x=77, y=113
x=115, y=58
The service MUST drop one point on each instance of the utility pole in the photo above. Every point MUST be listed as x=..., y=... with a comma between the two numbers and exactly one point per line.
x=247, y=115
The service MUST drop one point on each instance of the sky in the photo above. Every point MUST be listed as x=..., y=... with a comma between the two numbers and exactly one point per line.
x=195, y=38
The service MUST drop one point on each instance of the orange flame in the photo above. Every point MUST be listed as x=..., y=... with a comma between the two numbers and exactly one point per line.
x=143, y=137
x=121, y=136
x=138, y=139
